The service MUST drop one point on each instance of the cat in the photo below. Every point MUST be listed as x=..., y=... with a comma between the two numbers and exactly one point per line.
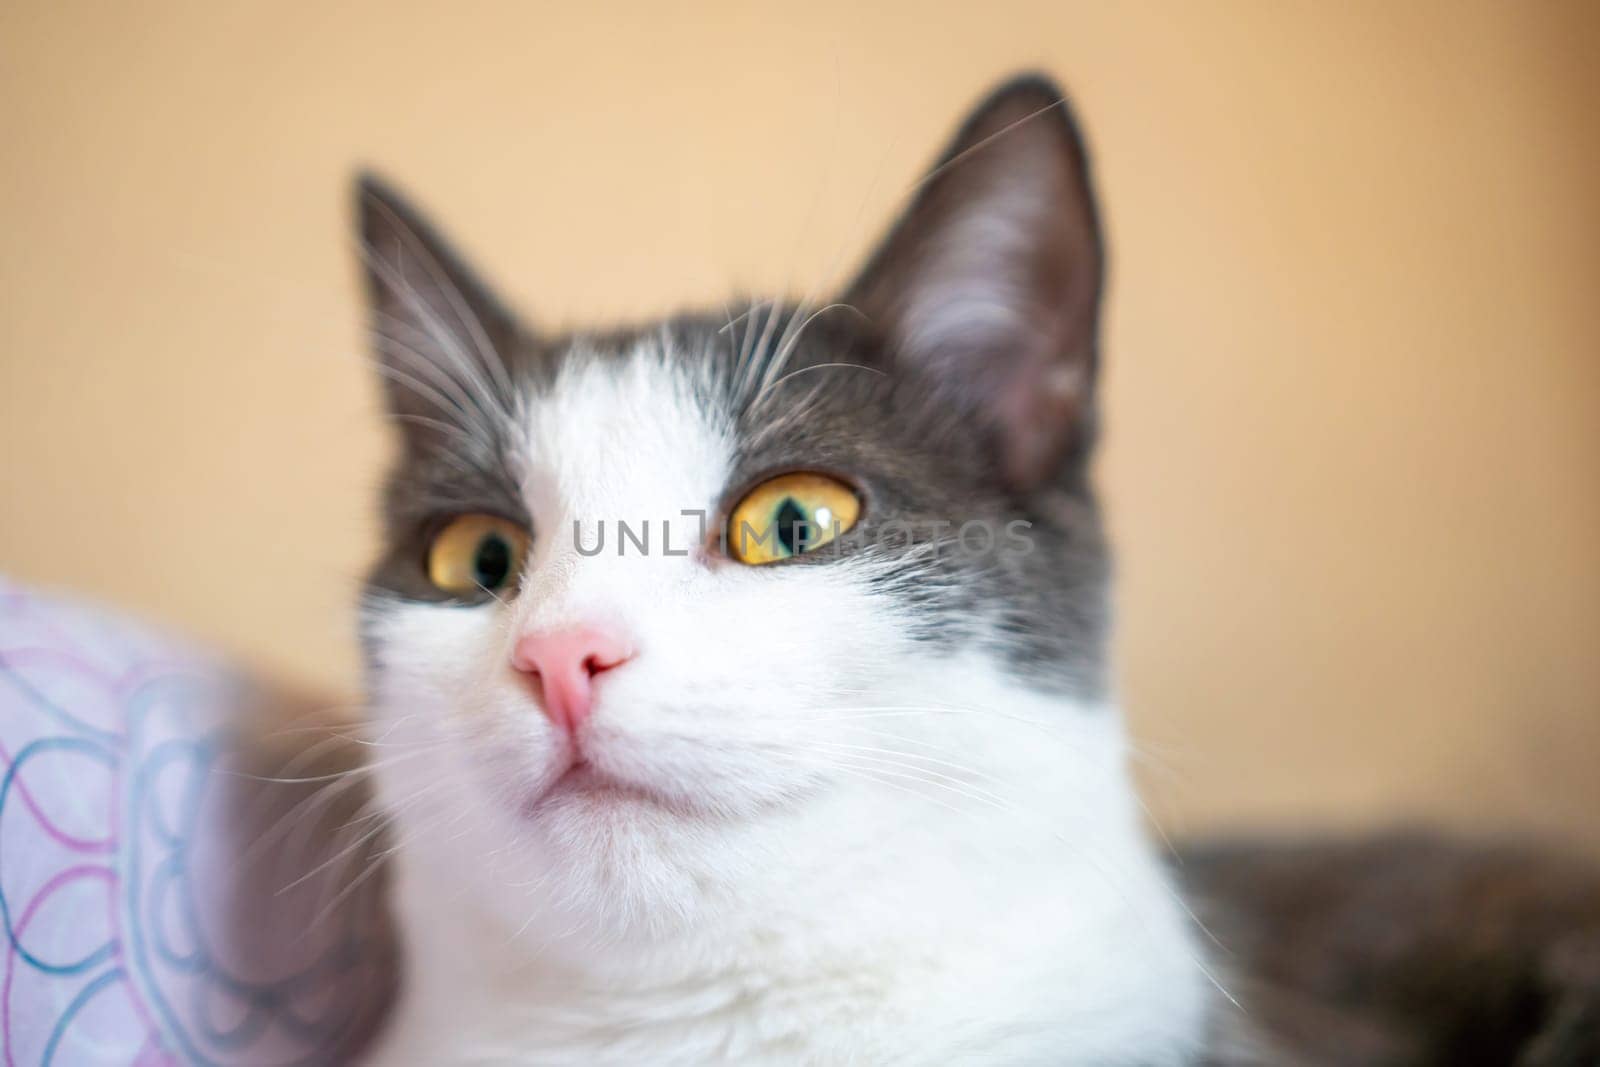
x=862, y=801
x=739, y=682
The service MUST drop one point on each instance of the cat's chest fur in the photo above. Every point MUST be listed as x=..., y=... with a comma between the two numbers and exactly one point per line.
x=1100, y=968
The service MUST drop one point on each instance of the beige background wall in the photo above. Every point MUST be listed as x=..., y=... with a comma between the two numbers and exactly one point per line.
x=1354, y=389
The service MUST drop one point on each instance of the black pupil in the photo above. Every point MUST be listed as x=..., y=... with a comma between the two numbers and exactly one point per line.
x=794, y=529
x=492, y=563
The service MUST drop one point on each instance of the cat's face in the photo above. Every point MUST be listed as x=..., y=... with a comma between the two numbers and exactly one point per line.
x=660, y=605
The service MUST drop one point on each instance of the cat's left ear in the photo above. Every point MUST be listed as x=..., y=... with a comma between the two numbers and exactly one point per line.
x=438, y=333
x=991, y=280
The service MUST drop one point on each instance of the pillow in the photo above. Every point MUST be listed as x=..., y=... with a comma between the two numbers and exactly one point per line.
x=186, y=873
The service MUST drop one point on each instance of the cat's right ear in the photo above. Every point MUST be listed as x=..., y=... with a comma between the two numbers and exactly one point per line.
x=438, y=334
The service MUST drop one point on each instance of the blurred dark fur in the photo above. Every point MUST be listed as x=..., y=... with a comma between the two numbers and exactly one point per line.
x=1402, y=949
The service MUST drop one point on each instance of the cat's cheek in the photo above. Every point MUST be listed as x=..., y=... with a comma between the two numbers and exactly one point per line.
x=504, y=743
x=437, y=673
x=429, y=650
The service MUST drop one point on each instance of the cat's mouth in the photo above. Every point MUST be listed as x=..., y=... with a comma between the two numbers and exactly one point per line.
x=583, y=783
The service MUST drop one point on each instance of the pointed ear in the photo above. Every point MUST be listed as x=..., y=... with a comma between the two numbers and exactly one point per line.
x=990, y=282
x=438, y=334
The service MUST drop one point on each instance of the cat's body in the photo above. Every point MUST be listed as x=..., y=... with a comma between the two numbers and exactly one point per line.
x=856, y=796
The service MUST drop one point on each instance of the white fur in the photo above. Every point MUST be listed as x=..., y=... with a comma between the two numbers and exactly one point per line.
x=868, y=852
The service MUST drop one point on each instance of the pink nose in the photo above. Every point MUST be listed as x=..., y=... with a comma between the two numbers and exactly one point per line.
x=565, y=663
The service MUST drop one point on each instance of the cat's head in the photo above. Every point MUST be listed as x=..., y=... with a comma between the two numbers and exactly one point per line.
x=661, y=606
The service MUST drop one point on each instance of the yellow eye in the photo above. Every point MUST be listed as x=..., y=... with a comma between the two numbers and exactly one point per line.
x=790, y=514
x=477, y=553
